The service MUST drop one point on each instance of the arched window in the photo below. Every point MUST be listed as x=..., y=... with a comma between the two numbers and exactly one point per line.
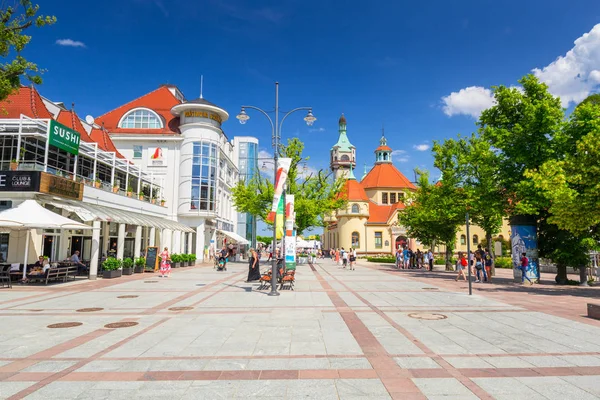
x=355, y=209
x=355, y=240
x=141, y=118
x=475, y=239
x=463, y=239
x=345, y=158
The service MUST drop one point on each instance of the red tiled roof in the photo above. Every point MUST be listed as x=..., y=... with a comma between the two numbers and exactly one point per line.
x=381, y=214
x=385, y=175
x=160, y=101
x=71, y=120
x=353, y=191
x=383, y=148
x=27, y=101
x=104, y=141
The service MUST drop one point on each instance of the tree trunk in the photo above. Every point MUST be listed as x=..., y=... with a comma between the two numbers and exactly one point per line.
x=490, y=245
x=583, y=275
x=561, y=275
x=448, y=258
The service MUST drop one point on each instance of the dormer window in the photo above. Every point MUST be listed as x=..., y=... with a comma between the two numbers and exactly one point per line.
x=141, y=118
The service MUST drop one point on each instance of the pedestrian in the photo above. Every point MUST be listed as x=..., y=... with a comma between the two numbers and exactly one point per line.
x=253, y=266
x=337, y=256
x=419, y=259
x=524, y=267
x=398, y=258
x=352, y=259
x=461, y=264
x=488, y=265
x=165, y=263
x=425, y=259
x=344, y=258
x=430, y=257
x=479, y=265
x=406, y=255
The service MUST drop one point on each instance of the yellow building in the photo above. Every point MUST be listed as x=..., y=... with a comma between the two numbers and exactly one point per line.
x=369, y=222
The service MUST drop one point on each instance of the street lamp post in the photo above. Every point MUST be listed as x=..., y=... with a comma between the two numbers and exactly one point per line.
x=276, y=137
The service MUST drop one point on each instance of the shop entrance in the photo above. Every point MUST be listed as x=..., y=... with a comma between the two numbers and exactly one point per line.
x=51, y=246
x=76, y=245
x=401, y=242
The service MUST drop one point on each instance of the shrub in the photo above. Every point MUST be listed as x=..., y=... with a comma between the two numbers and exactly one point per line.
x=442, y=260
x=382, y=259
x=127, y=263
x=140, y=262
x=192, y=257
x=175, y=258
x=183, y=258
x=111, y=264
x=504, y=262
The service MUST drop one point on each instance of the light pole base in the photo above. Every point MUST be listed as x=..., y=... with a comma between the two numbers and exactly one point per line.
x=273, y=293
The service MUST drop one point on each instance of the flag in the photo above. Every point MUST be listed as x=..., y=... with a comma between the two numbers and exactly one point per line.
x=283, y=166
x=280, y=217
x=290, y=233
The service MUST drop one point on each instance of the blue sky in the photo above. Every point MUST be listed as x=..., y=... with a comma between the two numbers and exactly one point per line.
x=397, y=63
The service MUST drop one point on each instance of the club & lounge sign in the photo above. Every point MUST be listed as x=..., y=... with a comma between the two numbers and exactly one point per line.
x=41, y=182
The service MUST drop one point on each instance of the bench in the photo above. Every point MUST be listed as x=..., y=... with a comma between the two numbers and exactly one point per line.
x=593, y=311
x=288, y=279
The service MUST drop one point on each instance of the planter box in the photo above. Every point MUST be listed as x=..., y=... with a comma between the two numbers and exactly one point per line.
x=175, y=264
x=111, y=274
x=138, y=270
x=128, y=271
x=302, y=260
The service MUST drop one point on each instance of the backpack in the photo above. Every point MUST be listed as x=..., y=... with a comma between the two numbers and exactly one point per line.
x=463, y=262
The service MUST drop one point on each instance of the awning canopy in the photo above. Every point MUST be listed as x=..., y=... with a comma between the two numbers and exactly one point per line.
x=94, y=212
x=31, y=215
x=234, y=236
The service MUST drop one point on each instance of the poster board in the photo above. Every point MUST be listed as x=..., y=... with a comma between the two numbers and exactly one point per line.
x=151, y=259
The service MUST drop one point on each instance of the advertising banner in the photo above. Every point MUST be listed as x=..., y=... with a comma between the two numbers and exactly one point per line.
x=283, y=166
x=280, y=218
x=157, y=157
x=290, y=233
x=64, y=138
x=523, y=239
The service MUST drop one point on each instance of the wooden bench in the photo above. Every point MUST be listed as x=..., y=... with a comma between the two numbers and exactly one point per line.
x=288, y=279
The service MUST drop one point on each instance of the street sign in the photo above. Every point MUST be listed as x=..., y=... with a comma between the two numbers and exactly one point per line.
x=64, y=138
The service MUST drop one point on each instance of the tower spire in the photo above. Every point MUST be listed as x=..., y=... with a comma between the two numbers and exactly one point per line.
x=201, y=85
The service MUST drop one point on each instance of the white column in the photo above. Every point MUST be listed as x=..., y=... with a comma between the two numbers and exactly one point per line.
x=105, y=232
x=152, y=237
x=190, y=241
x=137, y=247
x=95, y=249
x=176, y=242
x=165, y=240
x=121, y=241
x=182, y=242
x=200, y=242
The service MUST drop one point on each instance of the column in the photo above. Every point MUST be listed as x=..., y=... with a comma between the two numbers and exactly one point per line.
x=95, y=249
x=165, y=239
x=182, y=242
x=152, y=237
x=190, y=243
x=200, y=242
x=121, y=241
x=105, y=233
x=137, y=247
x=176, y=242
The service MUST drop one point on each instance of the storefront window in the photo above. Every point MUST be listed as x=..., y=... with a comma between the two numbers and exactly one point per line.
x=203, y=176
x=4, y=246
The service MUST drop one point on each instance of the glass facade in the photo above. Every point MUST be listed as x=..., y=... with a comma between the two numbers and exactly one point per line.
x=204, y=172
x=248, y=167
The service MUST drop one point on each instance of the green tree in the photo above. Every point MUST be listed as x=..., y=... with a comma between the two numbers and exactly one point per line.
x=265, y=239
x=14, y=22
x=314, y=195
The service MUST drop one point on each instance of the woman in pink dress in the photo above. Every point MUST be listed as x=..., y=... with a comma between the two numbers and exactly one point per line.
x=165, y=263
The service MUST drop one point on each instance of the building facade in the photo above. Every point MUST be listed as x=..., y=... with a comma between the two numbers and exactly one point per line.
x=247, y=161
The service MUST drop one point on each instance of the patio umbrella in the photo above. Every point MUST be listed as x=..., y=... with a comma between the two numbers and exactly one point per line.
x=31, y=215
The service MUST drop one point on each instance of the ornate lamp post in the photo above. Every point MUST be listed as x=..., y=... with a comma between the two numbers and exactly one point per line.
x=276, y=137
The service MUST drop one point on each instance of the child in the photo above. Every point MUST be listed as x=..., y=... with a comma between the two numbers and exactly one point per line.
x=461, y=264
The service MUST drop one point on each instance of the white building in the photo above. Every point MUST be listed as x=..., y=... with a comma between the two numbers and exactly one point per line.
x=246, y=152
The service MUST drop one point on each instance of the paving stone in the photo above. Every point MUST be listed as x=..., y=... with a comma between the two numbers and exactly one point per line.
x=416, y=362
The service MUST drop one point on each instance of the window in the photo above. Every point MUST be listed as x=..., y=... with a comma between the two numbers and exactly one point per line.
x=463, y=239
x=378, y=240
x=345, y=158
x=400, y=196
x=137, y=151
x=4, y=246
x=141, y=119
x=392, y=198
x=475, y=239
x=5, y=205
x=355, y=240
x=203, y=176
x=384, y=198
x=355, y=209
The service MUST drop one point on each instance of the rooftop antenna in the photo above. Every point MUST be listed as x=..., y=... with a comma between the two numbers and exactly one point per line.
x=382, y=130
x=201, y=84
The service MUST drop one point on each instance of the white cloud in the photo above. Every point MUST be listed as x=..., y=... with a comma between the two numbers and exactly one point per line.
x=575, y=75
x=70, y=43
x=265, y=163
x=321, y=129
x=421, y=147
x=401, y=159
x=398, y=152
x=468, y=101
x=571, y=77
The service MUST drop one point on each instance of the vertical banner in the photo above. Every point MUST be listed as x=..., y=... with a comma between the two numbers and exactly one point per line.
x=290, y=233
x=280, y=219
x=523, y=239
x=283, y=166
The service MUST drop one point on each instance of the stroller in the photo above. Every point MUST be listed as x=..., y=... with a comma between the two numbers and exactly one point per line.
x=221, y=263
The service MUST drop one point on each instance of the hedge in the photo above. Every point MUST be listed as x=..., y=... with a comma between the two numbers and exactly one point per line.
x=389, y=259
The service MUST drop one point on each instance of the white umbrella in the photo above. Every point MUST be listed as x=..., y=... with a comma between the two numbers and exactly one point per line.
x=31, y=215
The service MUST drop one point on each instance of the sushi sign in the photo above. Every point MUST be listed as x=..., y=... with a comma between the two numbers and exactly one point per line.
x=64, y=138
x=157, y=157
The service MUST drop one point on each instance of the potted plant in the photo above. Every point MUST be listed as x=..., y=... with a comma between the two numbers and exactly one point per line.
x=116, y=188
x=129, y=191
x=112, y=268
x=175, y=260
x=185, y=260
x=14, y=165
x=162, y=202
x=97, y=183
x=140, y=263
x=128, y=266
x=192, y=259
x=141, y=196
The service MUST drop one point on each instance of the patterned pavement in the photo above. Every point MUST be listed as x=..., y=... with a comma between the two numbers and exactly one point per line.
x=372, y=333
